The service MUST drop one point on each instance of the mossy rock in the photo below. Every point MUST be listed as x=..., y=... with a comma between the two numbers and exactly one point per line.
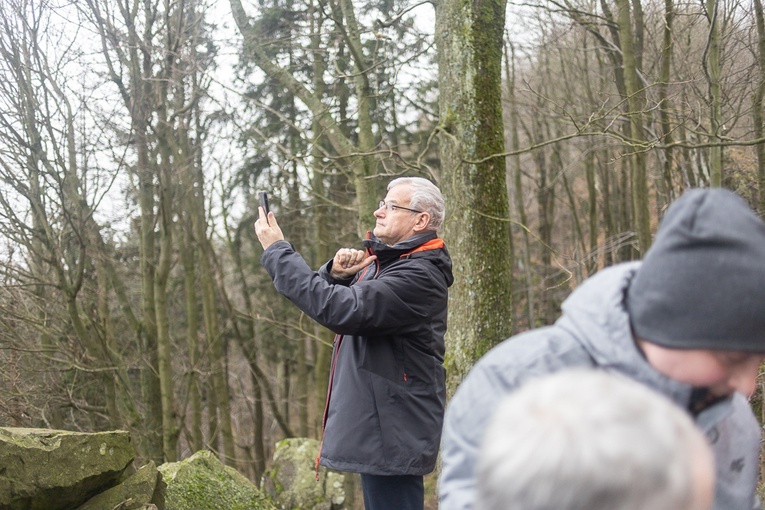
x=202, y=482
x=136, y=492
x=291, y=480
x=42, y=469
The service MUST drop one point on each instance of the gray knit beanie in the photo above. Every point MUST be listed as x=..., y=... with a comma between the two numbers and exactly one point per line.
x=702, y=283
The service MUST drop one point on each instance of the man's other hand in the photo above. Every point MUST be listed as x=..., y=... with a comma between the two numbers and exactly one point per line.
x=267, y=229
x=347, y=262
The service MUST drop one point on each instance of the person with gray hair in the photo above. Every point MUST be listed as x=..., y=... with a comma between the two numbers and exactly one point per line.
x=387, y=306
x=425, y=197
x=592, y=440
x=687, y=321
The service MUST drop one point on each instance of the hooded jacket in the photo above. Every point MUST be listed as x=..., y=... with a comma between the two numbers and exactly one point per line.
x=593, y=331
x=387, y=390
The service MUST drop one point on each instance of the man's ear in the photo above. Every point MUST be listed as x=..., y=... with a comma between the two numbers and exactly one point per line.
x=423, y=220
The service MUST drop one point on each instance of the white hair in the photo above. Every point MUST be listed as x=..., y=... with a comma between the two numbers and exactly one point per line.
x=425, y=197
x=590, y=440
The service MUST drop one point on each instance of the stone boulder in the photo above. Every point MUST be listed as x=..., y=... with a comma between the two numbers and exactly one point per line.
x=138, y=491
x=44, y=469
x=202, y=482
x=291, y=480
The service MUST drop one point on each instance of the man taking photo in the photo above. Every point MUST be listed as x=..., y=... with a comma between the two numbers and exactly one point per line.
x=387, y=306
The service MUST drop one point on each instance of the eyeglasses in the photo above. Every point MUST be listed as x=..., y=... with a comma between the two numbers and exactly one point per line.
x=392, y=207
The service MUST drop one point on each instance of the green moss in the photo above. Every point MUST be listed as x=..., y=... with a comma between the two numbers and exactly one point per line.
x=33, y=438
x=52, y=469
x=291, y=479
x=449, y=120
x=201, y=482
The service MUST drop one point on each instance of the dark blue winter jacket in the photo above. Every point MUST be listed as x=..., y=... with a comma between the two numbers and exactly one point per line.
x=387, y=383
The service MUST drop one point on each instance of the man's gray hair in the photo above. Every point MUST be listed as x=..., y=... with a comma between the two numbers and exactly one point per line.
x=590, y=440
x=425, y=197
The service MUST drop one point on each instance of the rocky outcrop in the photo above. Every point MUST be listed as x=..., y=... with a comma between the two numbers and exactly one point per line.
x=202, y=482
x=291, y=480
x=58, y=470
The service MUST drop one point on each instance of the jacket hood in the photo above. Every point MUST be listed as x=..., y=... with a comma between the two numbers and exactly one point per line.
x=596, y=314
x=426, y=244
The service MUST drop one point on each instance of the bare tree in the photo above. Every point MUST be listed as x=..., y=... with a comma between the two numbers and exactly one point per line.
x=47, y=205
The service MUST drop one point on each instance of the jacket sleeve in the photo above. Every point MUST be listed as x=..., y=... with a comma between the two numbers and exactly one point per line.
x=467, y=415
x=510, y=364
x=735, y=441
x=408, y=294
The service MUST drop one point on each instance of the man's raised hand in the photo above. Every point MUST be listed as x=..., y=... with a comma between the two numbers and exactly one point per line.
x=347, y=262
x=267, y=229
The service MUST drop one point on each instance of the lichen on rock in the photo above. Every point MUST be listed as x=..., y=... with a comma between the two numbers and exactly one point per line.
x=202, y=482
x=291, y=480
x=42, y=469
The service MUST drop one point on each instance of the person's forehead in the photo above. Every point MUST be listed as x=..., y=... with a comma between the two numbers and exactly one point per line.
x=738, y=356
x=399, y=193
x=721, y=356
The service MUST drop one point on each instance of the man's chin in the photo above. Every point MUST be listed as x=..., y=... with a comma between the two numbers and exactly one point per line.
x=380, y=235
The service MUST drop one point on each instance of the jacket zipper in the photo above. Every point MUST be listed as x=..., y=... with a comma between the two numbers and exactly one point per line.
x=338, y=340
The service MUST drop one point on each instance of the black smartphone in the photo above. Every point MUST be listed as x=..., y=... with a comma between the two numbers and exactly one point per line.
x=263, y=201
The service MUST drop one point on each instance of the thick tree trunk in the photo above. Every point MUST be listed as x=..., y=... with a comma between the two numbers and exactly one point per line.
x=469, y=40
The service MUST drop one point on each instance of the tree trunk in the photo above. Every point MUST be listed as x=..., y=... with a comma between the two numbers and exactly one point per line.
x=218, y=373
x=759, y=105
x=164, y=347
x=469, y=40
x=368, y=194
x=196, y=441
x=520, y=206
x=636, y=146
x=712, y=70
x=664, y=111
x=321, y=246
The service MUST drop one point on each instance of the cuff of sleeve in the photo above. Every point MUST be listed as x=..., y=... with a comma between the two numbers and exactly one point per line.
x=275, y=246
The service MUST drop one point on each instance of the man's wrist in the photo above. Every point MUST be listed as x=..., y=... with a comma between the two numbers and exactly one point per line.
x=331, y=270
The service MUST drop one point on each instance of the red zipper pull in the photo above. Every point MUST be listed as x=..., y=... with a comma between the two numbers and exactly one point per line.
x=405, y=379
